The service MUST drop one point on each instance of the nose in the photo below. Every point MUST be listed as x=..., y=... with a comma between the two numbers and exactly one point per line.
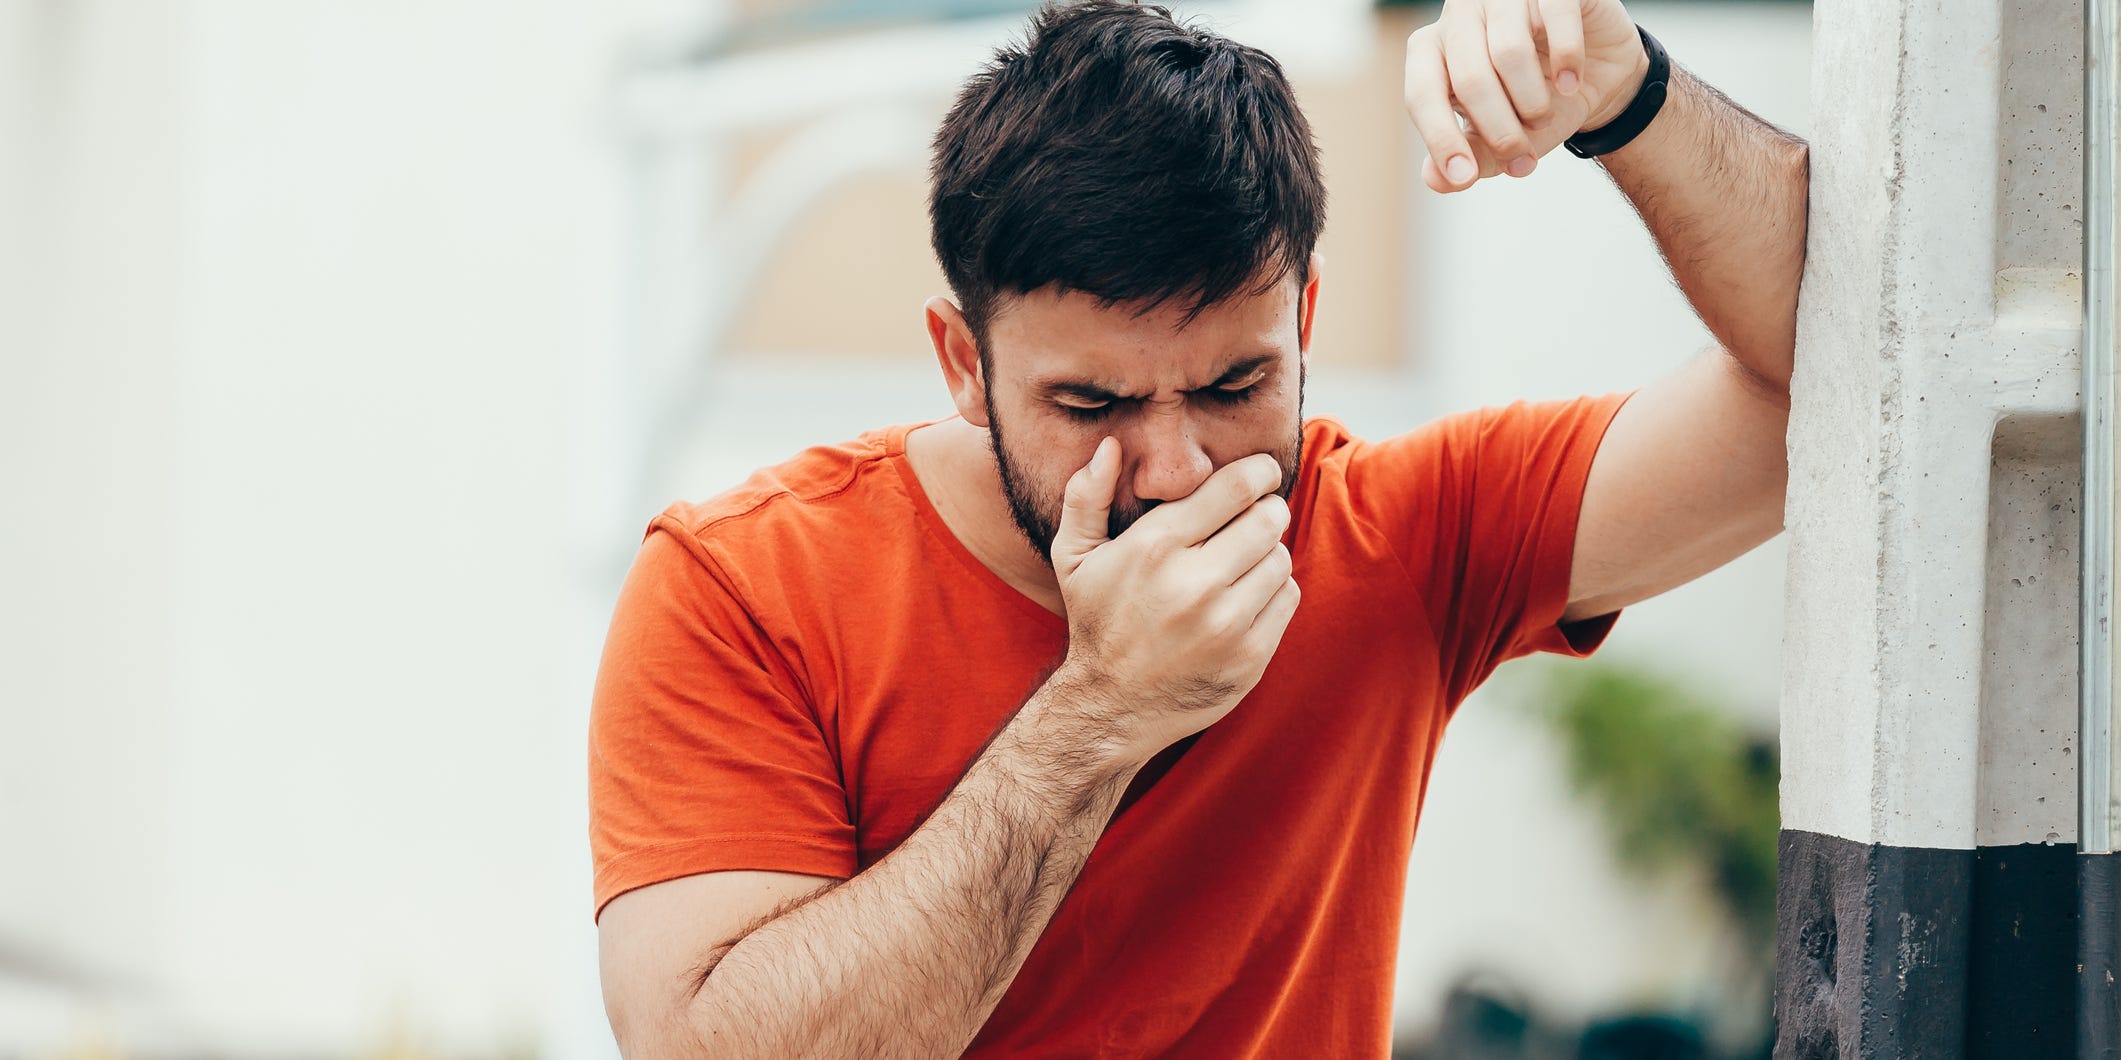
x=1168, y=461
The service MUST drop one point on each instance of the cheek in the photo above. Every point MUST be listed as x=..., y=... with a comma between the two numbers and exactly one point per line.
x=1263, y=425
x=1045, y=450
x=1068, y=443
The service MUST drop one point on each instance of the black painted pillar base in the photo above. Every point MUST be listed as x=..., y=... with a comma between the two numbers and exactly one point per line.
x=1887, y=951
x=2099, y=956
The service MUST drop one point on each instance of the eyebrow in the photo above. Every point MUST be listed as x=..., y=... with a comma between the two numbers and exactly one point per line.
x=1087, y=390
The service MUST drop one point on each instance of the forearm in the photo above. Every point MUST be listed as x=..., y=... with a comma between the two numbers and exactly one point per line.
x=1724, y=195
x=911, y=956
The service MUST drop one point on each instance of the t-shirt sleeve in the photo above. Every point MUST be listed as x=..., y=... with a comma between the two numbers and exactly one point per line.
x=704, y=754
x=1485, y=504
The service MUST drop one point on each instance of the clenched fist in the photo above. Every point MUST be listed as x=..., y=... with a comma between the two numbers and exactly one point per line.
x=1524, y=74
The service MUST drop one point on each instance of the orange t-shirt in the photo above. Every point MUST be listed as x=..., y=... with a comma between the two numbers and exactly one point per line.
x=800, y=669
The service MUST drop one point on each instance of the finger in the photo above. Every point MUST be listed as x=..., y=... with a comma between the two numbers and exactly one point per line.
x=1563, y=23
x=1251, y=593
x=1516, y=61
x=1239, y=546
x=1487, y=167
x=1274, y=618
x=1241, y=603
x=1480, y=93
x=1226, y=494
x=1429, y=104
x=1087, y=506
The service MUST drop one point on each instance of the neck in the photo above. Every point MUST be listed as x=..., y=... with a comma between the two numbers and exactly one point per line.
x=954, y=462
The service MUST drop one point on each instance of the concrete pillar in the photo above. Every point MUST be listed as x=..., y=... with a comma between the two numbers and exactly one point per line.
x=1928, y=897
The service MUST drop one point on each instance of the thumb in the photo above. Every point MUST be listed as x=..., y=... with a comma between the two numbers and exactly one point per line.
x=1085, y=512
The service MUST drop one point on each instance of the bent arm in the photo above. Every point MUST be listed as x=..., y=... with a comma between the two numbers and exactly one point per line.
x=909, y=957
x=1692, y=469
x=1692, y=472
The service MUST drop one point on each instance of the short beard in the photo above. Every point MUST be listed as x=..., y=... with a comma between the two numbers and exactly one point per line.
x=1037, y=515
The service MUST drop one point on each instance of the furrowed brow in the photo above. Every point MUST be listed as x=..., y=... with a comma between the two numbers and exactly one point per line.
x=1085, y=390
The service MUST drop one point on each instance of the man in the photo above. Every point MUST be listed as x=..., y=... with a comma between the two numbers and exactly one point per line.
x=1014, y=733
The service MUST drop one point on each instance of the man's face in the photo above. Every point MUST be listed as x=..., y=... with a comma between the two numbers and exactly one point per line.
x=1183, y=398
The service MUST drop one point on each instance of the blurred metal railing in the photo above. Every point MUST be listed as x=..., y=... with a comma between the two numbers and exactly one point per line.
x=2099, y=817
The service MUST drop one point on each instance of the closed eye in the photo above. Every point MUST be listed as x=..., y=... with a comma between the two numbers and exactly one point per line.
x=1235, y=391
x=1223, y=395
x=1087, y=408
x=1084, y=411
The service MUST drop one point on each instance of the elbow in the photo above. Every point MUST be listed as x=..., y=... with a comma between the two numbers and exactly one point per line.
x=673, y=1034
x=1765, y=375
x=674, y=1025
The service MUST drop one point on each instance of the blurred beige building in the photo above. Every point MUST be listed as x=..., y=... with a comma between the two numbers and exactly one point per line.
x=864, y=246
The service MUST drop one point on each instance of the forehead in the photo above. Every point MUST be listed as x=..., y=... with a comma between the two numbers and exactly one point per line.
x=1049, y=333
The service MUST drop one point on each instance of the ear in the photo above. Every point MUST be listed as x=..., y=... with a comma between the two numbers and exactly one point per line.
x=1307, y=307
x=958, y=354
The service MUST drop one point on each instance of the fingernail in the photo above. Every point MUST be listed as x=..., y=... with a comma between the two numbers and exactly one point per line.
x=1460, y=169
x=1521, y=166
x=1566, y=82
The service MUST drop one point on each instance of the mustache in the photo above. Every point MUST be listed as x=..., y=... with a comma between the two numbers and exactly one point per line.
x=1126, y=515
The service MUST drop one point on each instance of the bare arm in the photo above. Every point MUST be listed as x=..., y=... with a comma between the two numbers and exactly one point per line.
x=911, y=956
x=1724, y=195
x=1169, y=626
x=1692, y=471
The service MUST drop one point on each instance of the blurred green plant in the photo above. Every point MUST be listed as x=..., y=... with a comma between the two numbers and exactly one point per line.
x=1677, y=778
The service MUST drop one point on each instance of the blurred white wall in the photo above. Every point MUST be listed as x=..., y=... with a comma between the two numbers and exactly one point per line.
x=295, y=658
x=88, y=261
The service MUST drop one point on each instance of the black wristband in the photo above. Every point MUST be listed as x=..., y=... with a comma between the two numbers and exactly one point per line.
x=1618, y=133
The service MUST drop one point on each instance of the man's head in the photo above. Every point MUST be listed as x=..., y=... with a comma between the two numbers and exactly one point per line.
x=1126, y=210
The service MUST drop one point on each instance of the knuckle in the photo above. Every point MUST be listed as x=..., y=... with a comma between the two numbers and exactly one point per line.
x=1509, y=145
x=1510, y=52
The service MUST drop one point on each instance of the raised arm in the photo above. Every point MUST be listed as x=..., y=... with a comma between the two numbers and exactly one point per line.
x=1692, y=471
x=1169, y=626
x=1724, y=195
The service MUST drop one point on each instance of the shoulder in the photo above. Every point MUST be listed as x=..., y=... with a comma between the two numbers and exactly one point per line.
x=1431, y=473
x=1337, y=462
x=823, y=499
x=823, y=481
x=1461, y=436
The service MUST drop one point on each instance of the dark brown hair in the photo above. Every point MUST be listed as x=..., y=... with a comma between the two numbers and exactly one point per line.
x=1123, y=155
